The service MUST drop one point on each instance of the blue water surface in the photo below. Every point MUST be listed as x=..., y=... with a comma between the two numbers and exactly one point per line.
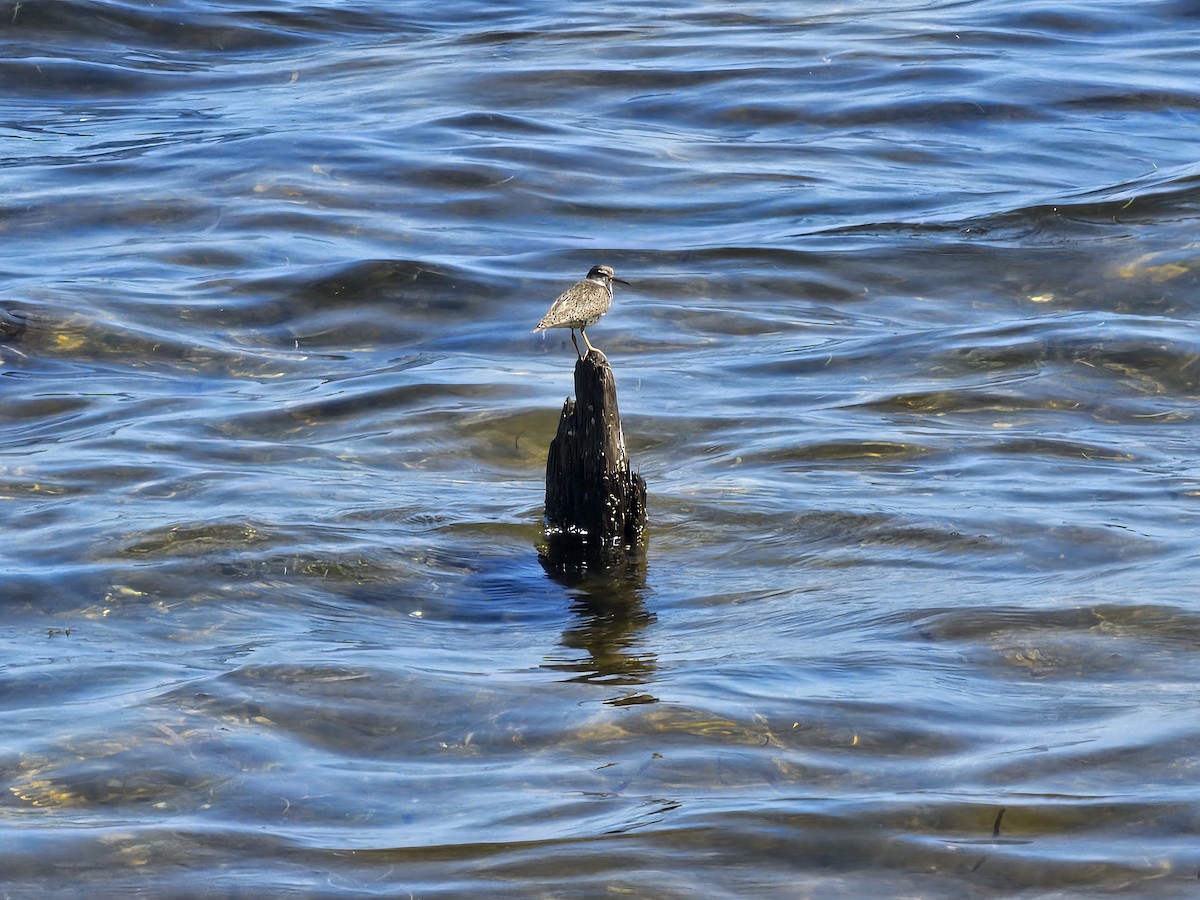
x=908, y=360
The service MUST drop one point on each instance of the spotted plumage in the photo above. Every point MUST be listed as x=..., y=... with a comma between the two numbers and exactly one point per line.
x=582, y=304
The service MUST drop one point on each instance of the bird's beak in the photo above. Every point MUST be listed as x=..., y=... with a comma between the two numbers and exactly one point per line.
x=619, y=280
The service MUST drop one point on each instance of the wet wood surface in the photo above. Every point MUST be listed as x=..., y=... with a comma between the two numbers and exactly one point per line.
x=595, y=503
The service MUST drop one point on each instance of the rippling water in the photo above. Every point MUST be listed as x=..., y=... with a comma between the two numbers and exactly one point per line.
x=909, y=362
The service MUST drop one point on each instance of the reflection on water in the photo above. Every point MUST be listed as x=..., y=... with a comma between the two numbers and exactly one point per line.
x=910, y=367
x=607, y=642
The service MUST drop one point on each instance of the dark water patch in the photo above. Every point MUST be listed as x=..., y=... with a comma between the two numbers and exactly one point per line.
x=136, y=358
x=183, y=26
x=1170, y=626
x=94, y=80
x=409, y=288
x=203, y=539
x=315, y=416
x=13, y=323
x=836, y=538
x=830, y=453
x=515, y=441
x=487, y=124
x=1143, y=365
x=1104, y=212
x=38, y=681
x=1046, y=448
x=1083, y=353
x=93, y=214
x=963, y=401
x=46, y=414
x=295, y=701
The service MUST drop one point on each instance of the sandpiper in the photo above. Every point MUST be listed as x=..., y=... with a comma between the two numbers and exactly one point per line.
x=582, y=304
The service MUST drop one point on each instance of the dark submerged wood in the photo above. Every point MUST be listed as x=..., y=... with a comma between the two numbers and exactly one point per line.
x=595, y=506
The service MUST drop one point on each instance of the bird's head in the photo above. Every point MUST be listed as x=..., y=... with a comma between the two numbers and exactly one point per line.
x=604, y=273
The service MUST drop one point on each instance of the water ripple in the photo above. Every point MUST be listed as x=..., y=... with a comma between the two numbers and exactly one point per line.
x=908, y=359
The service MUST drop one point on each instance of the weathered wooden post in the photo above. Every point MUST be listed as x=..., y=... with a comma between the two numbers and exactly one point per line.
x=595, y=506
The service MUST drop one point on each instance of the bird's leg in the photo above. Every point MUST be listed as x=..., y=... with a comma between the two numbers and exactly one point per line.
x=586, y=341
x=576, y=343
